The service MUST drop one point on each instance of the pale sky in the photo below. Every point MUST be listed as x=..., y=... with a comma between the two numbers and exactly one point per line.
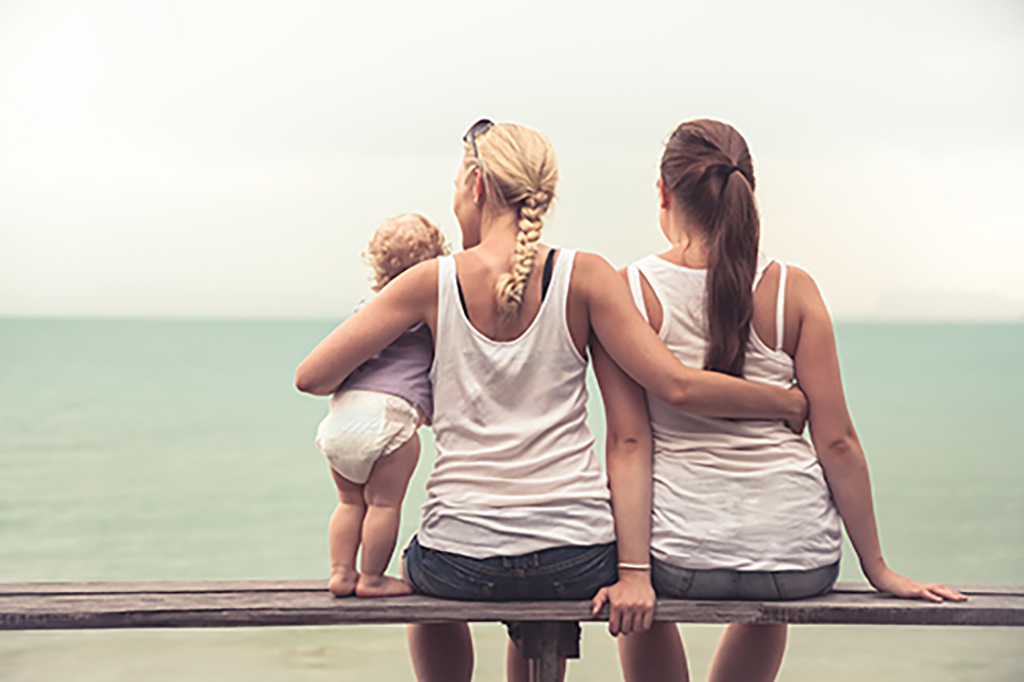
x=230, y=159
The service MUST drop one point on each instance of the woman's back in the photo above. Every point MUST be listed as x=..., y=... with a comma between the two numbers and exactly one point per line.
x=515, y=471
x=746, y=495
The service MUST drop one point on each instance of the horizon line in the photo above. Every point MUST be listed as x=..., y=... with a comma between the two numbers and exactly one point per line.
x=854, y=319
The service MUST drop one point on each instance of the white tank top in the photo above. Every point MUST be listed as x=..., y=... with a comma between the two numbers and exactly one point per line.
x=515, y=470
x=748, y=495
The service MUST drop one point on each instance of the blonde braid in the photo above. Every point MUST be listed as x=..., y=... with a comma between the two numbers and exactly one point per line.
x=521, y=170
x=511, y=285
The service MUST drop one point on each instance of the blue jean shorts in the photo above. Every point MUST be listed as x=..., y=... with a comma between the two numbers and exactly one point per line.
x=674, y=582
x=570, y=572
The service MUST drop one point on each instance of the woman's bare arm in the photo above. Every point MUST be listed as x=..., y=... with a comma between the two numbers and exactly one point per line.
x=634, y=347
x=836, y=442
x=409, y=298
x=629, y=452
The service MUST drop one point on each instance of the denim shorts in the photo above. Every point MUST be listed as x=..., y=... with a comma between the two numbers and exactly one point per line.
x=724, y=583
x=570, y=572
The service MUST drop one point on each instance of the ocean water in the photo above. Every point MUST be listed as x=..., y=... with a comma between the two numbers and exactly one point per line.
x=152, y=450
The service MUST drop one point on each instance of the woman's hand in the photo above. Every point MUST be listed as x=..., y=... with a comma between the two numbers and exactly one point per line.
x=630, y=602
x=798, y=419
x=898, y=585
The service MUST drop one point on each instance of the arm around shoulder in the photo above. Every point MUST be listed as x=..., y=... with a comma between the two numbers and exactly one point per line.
x=635, y=347
x=409, y=298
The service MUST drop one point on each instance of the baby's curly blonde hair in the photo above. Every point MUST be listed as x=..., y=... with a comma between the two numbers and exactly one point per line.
x=401, y=242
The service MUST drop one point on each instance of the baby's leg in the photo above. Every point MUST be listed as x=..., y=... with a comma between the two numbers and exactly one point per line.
x=343, y=535
x=383, y=493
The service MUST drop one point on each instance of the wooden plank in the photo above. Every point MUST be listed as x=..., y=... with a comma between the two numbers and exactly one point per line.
x=224, y=609
x=161, y=586
x=866, y=608
x=1016, y=590
x=287, y=603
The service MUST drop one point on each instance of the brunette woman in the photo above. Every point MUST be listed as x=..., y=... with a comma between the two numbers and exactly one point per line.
x=741, y=509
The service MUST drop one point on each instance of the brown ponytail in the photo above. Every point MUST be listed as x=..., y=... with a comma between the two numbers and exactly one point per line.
x=708, y=168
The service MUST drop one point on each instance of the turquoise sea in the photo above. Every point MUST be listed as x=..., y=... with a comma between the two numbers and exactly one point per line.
x=154, y=450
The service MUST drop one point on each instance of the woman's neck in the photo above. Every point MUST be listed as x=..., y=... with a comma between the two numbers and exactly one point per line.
x=689, y=250
x=689, y=243
x=498, y=235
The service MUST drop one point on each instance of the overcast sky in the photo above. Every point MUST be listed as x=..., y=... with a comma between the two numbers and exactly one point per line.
x=232, y=158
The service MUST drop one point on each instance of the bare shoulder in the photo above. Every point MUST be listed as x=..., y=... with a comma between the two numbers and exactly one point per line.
x=590, y=269
x=808, y=320
x=624, y=274
x=418, y=284
x=802, y=291
x=591, y=262
x=800, y=277
x=427, y=268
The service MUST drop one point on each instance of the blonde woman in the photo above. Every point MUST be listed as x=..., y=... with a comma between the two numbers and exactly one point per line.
x=741, y=509
x=517, y=505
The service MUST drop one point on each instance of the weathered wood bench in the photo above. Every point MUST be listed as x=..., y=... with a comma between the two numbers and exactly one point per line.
x=549, y=628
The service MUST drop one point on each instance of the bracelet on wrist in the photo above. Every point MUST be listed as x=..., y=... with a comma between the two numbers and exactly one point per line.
x=635, y=567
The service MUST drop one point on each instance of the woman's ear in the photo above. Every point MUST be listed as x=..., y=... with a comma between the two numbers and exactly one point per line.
x=478, y=187
x=664, y=197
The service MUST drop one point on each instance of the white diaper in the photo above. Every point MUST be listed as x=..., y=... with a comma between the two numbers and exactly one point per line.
x=363, y=426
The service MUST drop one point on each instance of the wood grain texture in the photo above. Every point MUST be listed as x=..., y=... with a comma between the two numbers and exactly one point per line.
x=45, y=606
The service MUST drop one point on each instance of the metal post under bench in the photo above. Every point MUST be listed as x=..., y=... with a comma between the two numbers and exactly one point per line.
x=548, y=630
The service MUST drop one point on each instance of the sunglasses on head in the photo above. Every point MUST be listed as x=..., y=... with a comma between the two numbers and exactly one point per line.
x=476, y=130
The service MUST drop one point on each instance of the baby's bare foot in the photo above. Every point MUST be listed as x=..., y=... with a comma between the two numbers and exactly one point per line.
x=381, y=586
x=342, y=582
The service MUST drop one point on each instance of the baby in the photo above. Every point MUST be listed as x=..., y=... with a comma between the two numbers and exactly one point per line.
x=369, y=436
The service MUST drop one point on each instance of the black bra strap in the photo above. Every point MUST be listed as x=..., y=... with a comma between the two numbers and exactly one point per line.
x=462, y=296
x=545, y=281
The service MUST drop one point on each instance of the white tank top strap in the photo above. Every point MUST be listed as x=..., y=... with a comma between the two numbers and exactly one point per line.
x=557, y=296
x=448, y=305
x=637, y=289
x=762, y=266
x=780, y=308
x=654, y=270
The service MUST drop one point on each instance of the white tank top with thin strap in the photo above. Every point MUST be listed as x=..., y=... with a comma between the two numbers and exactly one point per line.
x=748, y=495
x=515, y=470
